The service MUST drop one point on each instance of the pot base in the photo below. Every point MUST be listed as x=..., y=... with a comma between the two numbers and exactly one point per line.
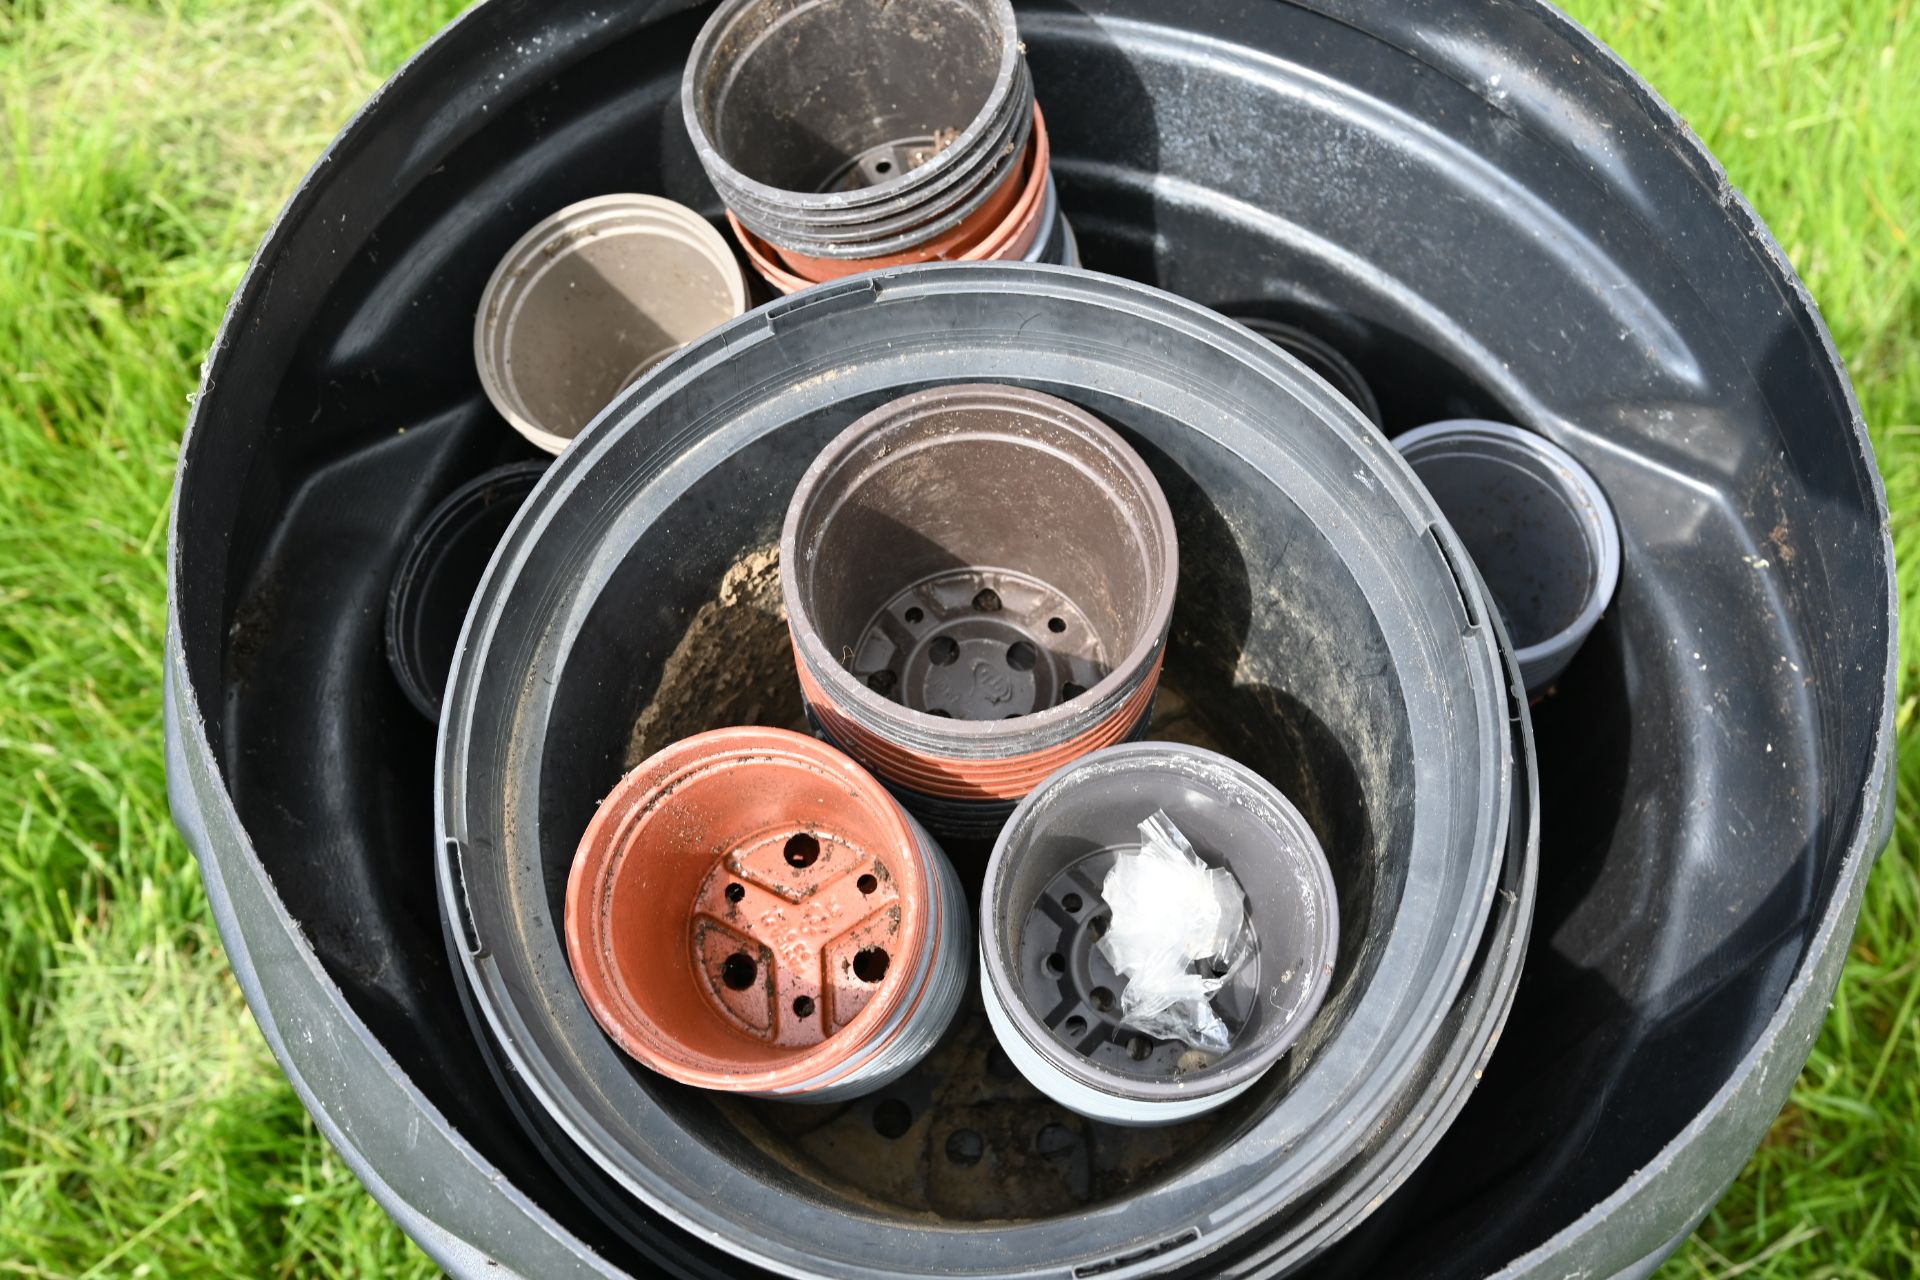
x=885, y=161
x=1076, y=993
x=980, y=644
x=786, y=893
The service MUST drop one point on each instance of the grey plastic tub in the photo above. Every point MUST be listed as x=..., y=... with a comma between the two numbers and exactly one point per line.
x=1049, y=992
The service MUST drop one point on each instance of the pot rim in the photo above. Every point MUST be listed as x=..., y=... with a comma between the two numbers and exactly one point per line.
x=1589, y=502
x=947, y=777
x=1015, y=232
x=1005, y=225
x=1148, y=758
x=589, y=218
x=1007, y=73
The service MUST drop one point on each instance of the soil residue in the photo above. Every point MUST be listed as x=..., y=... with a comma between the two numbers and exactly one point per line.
x=733, y=666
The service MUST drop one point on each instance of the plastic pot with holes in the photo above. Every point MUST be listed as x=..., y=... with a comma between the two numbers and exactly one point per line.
x=1538, y=526
x=750, y=911
x=858, y=129
x=591, y=298
x=979, y=580
x=1054, y=1000
x=439, y=573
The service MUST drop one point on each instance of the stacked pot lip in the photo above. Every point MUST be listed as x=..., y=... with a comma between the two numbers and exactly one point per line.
x=1021, y=220
x=1042, y=912
x=750, y=912
x=848, y=135
x=894, y=589
x=732, y=99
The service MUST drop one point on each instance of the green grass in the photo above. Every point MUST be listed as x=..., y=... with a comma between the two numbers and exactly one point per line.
x=144, y=1129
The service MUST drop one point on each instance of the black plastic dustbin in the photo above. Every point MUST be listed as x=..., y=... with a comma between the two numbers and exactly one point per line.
x=1478, y=205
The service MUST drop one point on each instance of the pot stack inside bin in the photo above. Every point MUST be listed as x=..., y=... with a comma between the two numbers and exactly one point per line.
x=981, y=767
x=1010, y=601
x=979, y=580
x=975, y=745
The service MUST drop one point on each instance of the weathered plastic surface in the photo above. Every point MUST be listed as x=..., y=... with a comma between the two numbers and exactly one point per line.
x=1715, y=770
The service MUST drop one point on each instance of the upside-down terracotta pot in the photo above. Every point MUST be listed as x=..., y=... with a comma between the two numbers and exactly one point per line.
x=749, y=911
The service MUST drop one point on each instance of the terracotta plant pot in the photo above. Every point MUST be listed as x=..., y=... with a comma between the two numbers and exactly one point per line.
x=750, y=912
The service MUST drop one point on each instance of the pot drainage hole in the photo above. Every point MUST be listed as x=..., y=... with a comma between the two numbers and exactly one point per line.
x=802, y=851
x=892, y=1118
x=870, y=964
x=739, y=971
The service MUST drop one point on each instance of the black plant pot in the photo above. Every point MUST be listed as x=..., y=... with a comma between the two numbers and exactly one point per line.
x=1322, y=627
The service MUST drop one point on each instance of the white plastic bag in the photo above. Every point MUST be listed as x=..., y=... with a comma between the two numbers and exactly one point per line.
x=1178, y=933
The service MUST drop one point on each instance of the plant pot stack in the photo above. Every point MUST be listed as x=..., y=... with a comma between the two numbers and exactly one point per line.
x=979, y=580
x=985, y=585
x=987, y=589
x=848, y=135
